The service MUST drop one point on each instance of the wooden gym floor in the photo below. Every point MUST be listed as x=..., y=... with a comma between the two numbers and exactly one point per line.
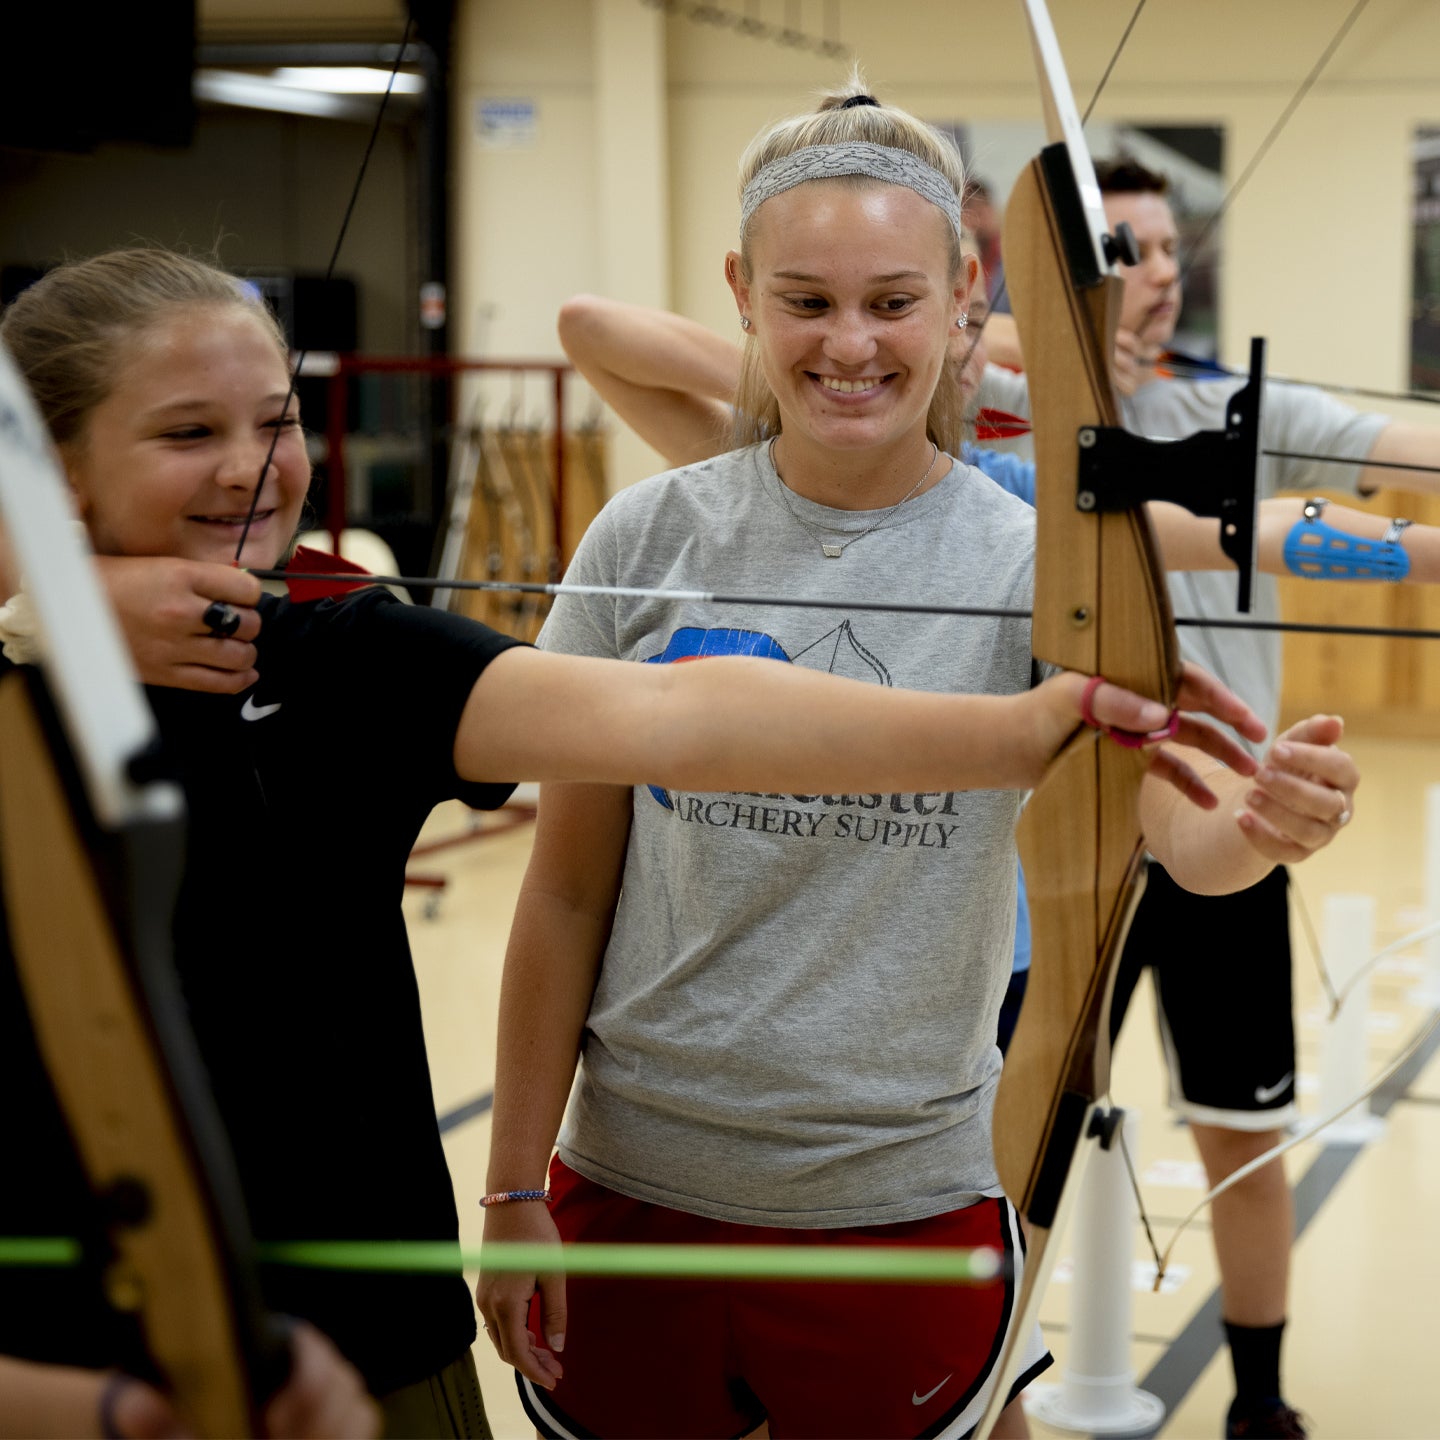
x=1367, y=1261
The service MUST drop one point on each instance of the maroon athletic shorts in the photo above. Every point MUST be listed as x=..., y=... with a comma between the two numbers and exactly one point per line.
x=675, y=1358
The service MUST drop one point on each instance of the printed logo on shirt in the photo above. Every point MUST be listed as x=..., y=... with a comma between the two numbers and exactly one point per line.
x=251, y=711
x=895, y=822
x=693, y=643
x=838, y=652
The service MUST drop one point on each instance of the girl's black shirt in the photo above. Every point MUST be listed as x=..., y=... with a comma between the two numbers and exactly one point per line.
x=304, y=797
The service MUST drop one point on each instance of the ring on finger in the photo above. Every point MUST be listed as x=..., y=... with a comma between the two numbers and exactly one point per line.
x=220, y=619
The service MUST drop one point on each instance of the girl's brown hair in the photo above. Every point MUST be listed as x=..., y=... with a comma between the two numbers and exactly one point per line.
x=67, y=331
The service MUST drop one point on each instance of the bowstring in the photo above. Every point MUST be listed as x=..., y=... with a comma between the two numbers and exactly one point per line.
x=1187, y=368
x=1192, y=254
x=1135, y=1188
x=995, y=299
x=1395, y=1065
x=329, y=272
x=1407, y=1052
x=1363, y=461
x=1415, y=937
x=1312, y=941
x=1100, y=88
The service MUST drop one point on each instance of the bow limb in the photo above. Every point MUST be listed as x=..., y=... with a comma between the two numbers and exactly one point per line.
x=1101, y=607
x=91, y=850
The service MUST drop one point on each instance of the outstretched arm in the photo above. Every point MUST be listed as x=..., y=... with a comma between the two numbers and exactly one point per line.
x=670, y=380
x=739, y=723
x=1192, y=542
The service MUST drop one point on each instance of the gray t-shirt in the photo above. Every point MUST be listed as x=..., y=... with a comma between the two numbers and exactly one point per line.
x=795, y=1019
x=1295, y=418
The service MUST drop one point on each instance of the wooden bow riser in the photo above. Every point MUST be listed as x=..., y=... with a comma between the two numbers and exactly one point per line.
x=1080, y=838
x=1082, y=561
x=111, y=1058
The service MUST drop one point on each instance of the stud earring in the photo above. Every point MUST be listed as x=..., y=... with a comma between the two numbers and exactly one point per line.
x=744, y=322
x=962, y=320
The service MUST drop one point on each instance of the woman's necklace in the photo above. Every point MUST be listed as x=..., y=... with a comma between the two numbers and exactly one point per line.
x=834, y=549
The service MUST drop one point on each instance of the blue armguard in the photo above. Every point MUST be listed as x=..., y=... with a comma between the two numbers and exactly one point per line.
x=1317, y=551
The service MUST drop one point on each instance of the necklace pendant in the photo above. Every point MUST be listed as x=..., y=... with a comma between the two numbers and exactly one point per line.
x=831, y=552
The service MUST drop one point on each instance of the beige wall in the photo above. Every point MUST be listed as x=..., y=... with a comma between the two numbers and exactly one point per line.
x=1316, y=246
x=580, y=204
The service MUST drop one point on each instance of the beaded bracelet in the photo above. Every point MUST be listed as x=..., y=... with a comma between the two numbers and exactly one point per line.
x=504, y=1197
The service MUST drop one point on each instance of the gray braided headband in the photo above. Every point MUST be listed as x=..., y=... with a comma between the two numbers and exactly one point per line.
x=856, y=157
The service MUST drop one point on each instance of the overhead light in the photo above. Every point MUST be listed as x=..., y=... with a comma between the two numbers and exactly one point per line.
x=257, y=92
x=348, y=79
x=264, y=92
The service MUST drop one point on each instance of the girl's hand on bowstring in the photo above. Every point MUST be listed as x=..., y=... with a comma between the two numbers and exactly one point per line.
x=504, y=1297
x=1303, y=794
x=190, y=625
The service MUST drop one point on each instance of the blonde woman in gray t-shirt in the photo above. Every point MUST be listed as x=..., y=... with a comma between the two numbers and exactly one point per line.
x=785, y=1005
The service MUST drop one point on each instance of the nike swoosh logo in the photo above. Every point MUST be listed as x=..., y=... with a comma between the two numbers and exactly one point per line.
x=929, y=1394
x=1266, y=1093
x=251, y=711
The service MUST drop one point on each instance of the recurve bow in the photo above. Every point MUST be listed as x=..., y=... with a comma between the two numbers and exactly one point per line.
x=91, y=850
x=1102, y=608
